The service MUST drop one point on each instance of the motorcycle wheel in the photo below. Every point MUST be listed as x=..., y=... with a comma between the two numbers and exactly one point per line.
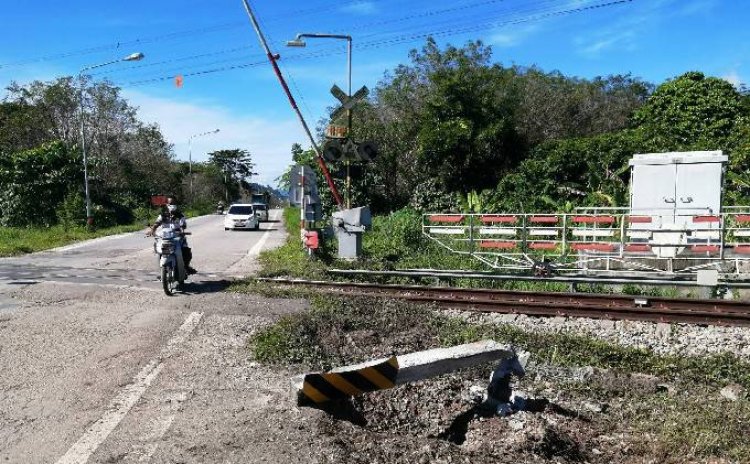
x=167, y=280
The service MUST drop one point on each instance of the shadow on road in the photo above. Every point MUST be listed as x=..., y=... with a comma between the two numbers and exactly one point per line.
x=250, y=230
x=209, y=286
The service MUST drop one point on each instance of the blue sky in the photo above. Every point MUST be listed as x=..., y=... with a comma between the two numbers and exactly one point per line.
x=229, y=86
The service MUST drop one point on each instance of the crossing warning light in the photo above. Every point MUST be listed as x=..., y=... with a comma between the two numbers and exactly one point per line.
x=333, y=151
x=367, y=151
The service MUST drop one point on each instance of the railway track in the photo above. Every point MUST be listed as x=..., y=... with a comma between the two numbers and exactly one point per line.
x=599, y=306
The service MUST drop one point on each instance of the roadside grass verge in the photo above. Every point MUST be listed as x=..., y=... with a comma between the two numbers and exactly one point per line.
x=18, y=241
x=290, y=259
x=690, y=420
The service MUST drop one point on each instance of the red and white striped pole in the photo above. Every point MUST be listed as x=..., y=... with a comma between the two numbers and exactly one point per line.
x=272, y=58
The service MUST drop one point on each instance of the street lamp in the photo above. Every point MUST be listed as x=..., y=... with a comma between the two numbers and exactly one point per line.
x=190, y=157
x=132, y=57
x=298, y=42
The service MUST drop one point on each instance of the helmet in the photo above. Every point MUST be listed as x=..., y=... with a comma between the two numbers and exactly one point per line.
x=171, y=209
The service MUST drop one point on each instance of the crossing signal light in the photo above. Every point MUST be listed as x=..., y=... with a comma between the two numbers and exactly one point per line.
x=333, y=151
x=367, y=151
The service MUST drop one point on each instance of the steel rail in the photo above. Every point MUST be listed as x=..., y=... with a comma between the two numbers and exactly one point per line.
x=600, y=278
x=599, y=306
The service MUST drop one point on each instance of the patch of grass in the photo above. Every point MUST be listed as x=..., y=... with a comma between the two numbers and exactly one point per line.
x=17, y=241
x=339, y=330
x=271, y=290
x=291, y=259
x=694, y=428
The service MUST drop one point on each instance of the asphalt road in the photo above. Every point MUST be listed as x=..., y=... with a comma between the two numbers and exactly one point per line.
x=98, y=365
x=129, y=259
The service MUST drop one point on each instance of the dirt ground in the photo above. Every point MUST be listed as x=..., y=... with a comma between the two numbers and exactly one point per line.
x=571, y=415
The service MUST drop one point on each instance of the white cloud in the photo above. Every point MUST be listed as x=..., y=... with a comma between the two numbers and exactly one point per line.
x=697, y=7
x=512, y=36
x=639, y=17
x=362, y=8
x=268, y=141
x=733, y=78
x=625, y=40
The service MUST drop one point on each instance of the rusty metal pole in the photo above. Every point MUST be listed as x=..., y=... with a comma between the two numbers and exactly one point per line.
x=272, y=58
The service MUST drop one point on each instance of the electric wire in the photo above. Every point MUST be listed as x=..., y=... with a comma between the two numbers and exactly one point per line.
x=358, y=44
x=171, y=36
x=407, y=38
x=355, y=27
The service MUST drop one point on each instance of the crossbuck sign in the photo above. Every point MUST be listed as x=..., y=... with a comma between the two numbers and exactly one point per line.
x=347, y=102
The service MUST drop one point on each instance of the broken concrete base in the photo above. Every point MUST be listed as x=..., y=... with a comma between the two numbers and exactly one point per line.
x=430, y=363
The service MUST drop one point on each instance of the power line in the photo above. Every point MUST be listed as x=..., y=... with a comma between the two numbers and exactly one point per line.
x=360, y=44
x=405, y=38
x=172, y=36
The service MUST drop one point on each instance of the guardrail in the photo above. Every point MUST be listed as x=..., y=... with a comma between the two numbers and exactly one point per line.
x=583, y=237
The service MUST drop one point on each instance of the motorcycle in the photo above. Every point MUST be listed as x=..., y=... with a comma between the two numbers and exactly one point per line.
x=168, y=246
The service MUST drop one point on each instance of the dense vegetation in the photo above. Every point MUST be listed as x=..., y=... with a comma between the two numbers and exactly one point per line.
x=457, y=131
x=41, y=165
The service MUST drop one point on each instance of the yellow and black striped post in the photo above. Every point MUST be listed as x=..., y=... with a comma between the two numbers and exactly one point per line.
x=320, y=388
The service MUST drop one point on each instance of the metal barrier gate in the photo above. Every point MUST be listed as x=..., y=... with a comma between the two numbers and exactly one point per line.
x=607, y=240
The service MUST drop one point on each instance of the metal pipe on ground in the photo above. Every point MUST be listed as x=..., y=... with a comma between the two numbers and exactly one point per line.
x=559, y=279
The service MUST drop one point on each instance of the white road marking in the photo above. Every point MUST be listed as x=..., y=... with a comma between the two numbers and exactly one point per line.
x=255, y=250
x=84, y=243
x=82, y=450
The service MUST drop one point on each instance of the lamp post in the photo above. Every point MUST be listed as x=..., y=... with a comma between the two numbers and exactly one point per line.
x=132, y=57
x=190, y=157
x=298, y=42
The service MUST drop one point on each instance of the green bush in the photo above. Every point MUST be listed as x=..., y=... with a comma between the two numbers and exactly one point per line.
x=72, y=211
x=395, y=236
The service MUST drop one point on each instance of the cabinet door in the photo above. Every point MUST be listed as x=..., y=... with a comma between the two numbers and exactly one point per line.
x=653, y=191
x=698, y=190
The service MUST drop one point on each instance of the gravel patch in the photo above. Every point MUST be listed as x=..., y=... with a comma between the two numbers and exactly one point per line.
x=661, y=338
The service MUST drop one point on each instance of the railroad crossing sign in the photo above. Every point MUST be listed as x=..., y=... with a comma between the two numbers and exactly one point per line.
x=347, y=102
x=336, y=132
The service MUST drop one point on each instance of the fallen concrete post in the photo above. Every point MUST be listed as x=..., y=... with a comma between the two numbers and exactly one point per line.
x=385, y=373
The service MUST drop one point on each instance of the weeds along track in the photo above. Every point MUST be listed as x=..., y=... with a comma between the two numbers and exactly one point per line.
x=599, y=306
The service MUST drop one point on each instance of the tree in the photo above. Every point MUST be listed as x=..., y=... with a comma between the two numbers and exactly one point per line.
x=590, y=171
x=554, y=106
x=454, y=121
x=127, y=159
x=691, y=112
x=237, y=167
x=34, y=183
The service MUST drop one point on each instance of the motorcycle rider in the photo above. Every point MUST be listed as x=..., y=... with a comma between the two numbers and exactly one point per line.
x=220, y=207
x=172, y=215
